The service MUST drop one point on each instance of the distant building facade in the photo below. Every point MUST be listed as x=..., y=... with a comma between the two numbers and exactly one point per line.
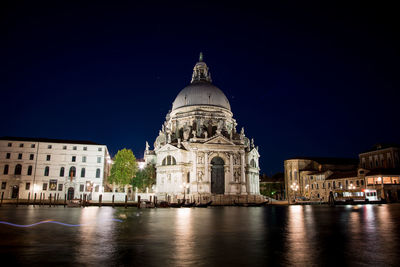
x=51, y=166
x=314, y=178
x=198, y=152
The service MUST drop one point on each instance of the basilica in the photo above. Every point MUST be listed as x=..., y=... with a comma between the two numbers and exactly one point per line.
x=199, y=153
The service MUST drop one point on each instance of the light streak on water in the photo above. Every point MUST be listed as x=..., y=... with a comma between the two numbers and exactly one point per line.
x=50, y=221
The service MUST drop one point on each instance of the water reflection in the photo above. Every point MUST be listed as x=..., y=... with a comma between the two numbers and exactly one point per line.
x=278, y=235
x=183, y=246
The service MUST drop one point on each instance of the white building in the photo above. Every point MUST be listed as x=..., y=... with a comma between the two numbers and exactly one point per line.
x=51, y=166
x=198, y=148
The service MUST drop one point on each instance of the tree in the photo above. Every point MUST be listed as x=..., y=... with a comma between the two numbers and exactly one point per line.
x=145, y=178
x=124, y=168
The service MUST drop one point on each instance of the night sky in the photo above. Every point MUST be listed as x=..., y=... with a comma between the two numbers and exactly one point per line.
x=304, y=79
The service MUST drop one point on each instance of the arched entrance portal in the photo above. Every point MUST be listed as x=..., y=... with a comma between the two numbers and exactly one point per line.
x=217, y=176
x=70, y=193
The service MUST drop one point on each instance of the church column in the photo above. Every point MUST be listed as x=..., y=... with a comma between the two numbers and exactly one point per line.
x=206, y=167
x=243, y=175
x=231, y=166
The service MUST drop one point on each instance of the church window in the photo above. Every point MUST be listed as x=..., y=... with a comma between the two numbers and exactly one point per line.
x=169, y=160
x=83, y=171
x=253, y=163
x=97, y=173
x=72, y=171
x=62, y=171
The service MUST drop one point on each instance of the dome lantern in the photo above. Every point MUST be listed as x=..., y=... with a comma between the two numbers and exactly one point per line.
x=200, y=71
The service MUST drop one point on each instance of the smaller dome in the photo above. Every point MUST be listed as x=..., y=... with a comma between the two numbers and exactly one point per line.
x=201, y=93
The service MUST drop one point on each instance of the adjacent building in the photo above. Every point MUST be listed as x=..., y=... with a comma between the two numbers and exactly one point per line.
x=199, y=153
x=378, y=169
x=51, y=166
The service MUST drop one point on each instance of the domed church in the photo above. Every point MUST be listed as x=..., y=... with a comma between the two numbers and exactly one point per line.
x=199, y=154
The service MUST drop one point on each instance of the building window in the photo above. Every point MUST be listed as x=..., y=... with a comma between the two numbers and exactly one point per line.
x=74, y=148
x=83, y=172
x=53, y=185
x=48, y=157
x=99, y=149
x=81, y=187
x=96, y=188
x=334, y=185
x=18, y=169
x=9, y=144
x=340, y=185
x=44, y=188
x=169, y=160
x=362, y=182
x=62, y=170
x=29, y=172
x=21, y=145
x=8, y=155
x=98, y=159
x=329, y=185
x=97, y=173
x=5, y=169
x=31, y=157
x=27, y=186
x=64, y=147
x=84, y=159
x=317, y=186
x=20, y=156
x=73, y=158
x=85, y=148
x=72, y=171
x=358, y=183
x=46, y=171
x=33, y=146
x=60, y=186
x=312, y=186
x=49, y=146
x=3, y=185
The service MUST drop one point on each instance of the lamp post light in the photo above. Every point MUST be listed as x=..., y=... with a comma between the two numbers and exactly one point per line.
x=294, y=188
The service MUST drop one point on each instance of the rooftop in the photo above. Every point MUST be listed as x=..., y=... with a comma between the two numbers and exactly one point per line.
x=335, y=161
x=48, y=140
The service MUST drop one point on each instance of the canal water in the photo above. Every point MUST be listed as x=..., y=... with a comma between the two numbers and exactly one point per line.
x=365, y=235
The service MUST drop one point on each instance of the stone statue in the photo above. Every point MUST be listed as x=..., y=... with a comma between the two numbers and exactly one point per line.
x=242, y=134
x=168, y=138
x=179, y=143
x=252, y=142
x=147, y=146
x=200, y=176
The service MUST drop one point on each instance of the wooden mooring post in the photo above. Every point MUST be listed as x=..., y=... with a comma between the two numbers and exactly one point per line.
x=2, y=196
x=34, y=199
x=17, y=199
x=29, y=198
x=138, y=202
x=50, y=200
x=126, y=201
x=100, y=199
x=113, y=201
x=65, y=200
x=40, y=200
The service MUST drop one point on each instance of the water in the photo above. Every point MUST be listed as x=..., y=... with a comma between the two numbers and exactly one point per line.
x=366, y=235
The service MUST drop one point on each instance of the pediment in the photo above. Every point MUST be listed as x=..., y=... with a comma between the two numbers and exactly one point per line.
x=219, y=140
x=167, y=148
x=254, y=151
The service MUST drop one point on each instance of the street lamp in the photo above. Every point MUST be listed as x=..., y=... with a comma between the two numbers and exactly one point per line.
x=294, y=188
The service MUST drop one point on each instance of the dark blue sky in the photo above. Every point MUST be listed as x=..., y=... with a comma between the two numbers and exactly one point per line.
x=309, y=78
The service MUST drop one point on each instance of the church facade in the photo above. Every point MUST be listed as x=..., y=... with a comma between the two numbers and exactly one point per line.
x=198, y=153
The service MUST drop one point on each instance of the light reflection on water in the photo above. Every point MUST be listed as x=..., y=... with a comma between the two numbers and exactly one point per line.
x=275, y=235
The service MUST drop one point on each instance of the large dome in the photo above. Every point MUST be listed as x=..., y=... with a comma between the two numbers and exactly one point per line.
x=201, y=93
